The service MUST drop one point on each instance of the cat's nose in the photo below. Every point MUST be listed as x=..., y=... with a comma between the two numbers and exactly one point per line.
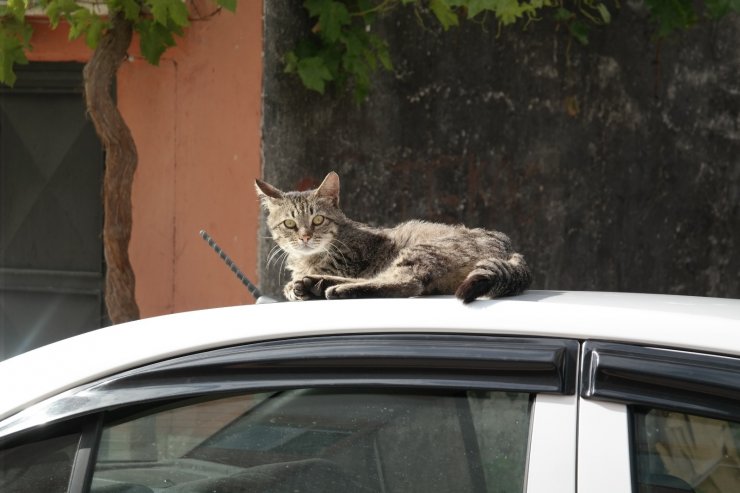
x=305, y=238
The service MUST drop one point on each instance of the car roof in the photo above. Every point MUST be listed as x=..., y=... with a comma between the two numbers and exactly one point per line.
x=702, y=324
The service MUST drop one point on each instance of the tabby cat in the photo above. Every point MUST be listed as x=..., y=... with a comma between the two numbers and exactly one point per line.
x=331, y=256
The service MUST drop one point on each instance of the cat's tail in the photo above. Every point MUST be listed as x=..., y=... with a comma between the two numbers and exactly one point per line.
x=495, y=278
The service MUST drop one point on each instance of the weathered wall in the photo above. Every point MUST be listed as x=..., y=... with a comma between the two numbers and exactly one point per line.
x=612, y=167
x=196, y=122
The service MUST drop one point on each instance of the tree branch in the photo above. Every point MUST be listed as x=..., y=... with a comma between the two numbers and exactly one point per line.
x=120, y=163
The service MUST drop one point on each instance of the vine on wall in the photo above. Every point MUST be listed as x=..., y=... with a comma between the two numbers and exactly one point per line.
x=157, y=22
x=343, y=50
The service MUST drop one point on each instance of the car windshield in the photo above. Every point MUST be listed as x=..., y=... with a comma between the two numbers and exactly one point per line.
x=323, y=440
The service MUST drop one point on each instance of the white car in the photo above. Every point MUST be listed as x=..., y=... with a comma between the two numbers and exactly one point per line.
x=547, y=392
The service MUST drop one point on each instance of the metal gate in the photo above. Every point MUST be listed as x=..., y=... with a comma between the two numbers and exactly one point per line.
x=51, y=167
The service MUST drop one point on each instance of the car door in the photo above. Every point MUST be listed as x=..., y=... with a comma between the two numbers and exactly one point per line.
x=658, y=420
x=390, y=413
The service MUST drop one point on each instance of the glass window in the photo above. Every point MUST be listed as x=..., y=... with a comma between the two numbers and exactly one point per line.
x=40, y=465
x=677, y=452
x=323, y=440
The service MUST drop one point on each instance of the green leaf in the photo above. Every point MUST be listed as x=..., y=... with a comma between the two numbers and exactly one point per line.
x=563, y=14
x=95, y=31
x=475, y=7
x=130, y=8
x=384, y=56
x=332, y=17
x=56, y=10
x=229, y=5
x=508, y=11
x=444, y=13
x=155, y=38
x=179, y=13
x=165, y=11
x=17, y=8
x=79, y=21
x=314, y=73
x=159, y=10
x=291, y=62
x=671, y=15
x=15, y=37
x=720, y=8
x=332, y=20
x=579, y=30
x=362, y=89
x=53, y=13
x=315, y=7
x=604, y=12
x=355, y=42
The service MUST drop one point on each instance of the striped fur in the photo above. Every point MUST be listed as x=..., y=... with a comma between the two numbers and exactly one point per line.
x=331, y=256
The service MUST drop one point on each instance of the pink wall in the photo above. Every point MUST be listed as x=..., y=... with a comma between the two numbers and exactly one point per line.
x=196, y=122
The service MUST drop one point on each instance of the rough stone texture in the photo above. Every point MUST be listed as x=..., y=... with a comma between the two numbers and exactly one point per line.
x=612, y=167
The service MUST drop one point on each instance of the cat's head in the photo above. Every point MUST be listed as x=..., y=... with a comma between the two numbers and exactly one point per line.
x=303, y=223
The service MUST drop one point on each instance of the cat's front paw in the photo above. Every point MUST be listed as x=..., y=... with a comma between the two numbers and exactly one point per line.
x=318, y=285
x=297, y=291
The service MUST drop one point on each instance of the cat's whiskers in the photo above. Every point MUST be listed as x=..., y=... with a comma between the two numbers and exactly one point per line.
x=279, y=256
x=274, y=253
x=335, y=239
x=338, y=245
x=338, y=250
x=282, y=266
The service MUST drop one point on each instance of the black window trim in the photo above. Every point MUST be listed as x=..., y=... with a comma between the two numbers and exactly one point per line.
x=476, y=362
x=670, y=379
x=84, y=460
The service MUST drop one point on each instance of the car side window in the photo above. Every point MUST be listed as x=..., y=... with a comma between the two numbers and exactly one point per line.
x=684, y=410
x=323, y=440
x=39, y=465
x=677, y=452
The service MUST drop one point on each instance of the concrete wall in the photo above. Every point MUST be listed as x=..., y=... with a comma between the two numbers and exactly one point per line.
x=196, y=122
x=613, y=167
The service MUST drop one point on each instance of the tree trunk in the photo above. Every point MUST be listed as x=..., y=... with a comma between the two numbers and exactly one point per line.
x=120, y=164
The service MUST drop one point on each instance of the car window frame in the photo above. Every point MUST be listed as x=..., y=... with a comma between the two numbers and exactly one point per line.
x=543, y=366
x=672, y=379
x=618, y=378
x=525, y=364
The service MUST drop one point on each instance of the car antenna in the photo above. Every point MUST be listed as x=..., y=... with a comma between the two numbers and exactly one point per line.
x=253, y=290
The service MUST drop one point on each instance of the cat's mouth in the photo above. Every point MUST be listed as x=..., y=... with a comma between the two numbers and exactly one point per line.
x=305, y=249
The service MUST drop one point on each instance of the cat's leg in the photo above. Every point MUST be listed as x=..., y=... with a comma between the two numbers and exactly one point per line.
x=413, y=272
x=400, y=280
x=375, y=289
x=311, y=287
x=496, y=277
x=318, y=284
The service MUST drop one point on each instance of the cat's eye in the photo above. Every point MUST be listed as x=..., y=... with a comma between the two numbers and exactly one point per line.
x=289, y=223
x=317, y=220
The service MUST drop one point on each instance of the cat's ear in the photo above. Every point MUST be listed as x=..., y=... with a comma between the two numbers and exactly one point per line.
x=329, y=188
x=267, y=191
